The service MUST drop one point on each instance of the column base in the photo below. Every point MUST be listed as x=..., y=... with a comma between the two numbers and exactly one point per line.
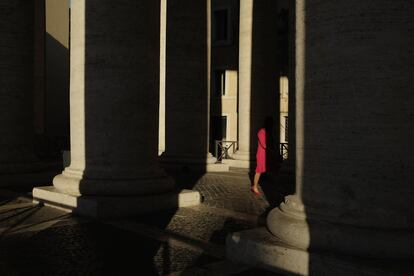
x=75, y=183
x=191, y=163
x=259, y=248
x=303, y=227
x=114, y=206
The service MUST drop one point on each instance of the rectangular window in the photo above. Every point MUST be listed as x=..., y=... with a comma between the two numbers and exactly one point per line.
x=218, y=132
x=221, y=22
x=221, y=26
x=219, y=83
x=224, y=127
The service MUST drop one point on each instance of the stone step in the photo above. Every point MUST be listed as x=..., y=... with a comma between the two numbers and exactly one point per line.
x=114, y=206
x=259, y=248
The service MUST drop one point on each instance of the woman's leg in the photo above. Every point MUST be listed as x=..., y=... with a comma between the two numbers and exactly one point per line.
x=255, y=187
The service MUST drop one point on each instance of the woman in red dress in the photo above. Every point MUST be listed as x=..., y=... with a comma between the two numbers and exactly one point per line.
x=266, y=130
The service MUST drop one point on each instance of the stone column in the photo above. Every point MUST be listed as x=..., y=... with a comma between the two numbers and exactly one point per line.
x=39, y=69
x=114, y=96
x=163, y=34
x=354, y=131
x=258, y=75
x=16, y=88
x=352, y=211
x=187, y=86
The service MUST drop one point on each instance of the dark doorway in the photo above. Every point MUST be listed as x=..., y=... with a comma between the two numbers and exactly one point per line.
x=218, y=127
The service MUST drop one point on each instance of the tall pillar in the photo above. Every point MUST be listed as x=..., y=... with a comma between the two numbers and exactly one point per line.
x=354, y=153
x=16, y=88
x=114, y=104
x=258, y=75
x=39, y=68
x=354, y=131
x=163, y=34
x=188, y=50
x=114, y=107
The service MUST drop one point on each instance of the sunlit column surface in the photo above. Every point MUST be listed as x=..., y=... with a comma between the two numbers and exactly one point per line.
x=16, y=87
x=163, y=34
x=245, y=64
x=114, y=97
x=354, y=130
x=258, y=74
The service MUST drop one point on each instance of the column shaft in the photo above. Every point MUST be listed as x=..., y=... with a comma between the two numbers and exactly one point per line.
x=187, y=83
x=39, y=68
x=354, y=151
x=258, y=73
x=16, y=87
x=245, y=61
x=163, y=35
x=114, y=97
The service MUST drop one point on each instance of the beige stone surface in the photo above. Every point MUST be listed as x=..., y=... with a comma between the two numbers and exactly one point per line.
x=113, y=206
x=261, y=249
x=163, y=35
x=284, y=106
x=245, y=63
x=228, y=104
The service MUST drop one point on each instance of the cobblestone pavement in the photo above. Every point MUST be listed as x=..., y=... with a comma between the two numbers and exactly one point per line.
x=231, y=190
x=40, y=240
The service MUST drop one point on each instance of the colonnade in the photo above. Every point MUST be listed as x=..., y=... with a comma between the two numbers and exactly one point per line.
x=185, y=77
x=353, y=111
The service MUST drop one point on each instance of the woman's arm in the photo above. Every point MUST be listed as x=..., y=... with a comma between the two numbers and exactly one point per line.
x=261, y=135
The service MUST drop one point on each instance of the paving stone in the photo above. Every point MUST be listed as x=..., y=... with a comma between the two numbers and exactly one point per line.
x=24, y=214
x=72, y=246
x=169, y=259
x=199, y=223
x=87, y=249
x=230, y=192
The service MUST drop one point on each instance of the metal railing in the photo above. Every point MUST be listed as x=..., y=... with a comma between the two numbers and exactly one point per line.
x=283, y=148
x=222, y=149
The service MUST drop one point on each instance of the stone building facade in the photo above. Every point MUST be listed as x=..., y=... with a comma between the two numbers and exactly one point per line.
x=350, y=108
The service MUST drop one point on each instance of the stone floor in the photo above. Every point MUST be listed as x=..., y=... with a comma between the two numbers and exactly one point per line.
x=40, y=240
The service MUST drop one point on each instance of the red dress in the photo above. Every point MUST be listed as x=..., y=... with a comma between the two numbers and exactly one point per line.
x=261, y=151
